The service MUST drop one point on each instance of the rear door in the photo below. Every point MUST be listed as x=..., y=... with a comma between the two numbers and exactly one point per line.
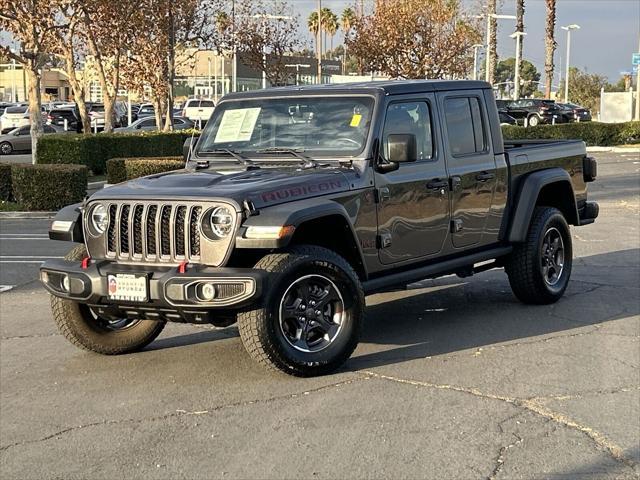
x=413, y=201
x=471, y=164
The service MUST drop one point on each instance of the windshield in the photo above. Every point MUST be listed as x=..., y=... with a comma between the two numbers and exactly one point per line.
x=320, y=125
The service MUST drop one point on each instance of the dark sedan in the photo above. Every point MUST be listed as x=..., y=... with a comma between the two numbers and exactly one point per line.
x=533, y=111
x=574, y=113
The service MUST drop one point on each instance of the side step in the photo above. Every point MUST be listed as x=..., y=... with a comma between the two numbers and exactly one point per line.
x=388, y=282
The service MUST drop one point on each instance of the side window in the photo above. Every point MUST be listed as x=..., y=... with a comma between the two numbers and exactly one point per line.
x=465, y=126
x=410, y=118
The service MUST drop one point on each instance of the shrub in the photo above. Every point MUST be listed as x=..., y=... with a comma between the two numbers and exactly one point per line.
x=121, y=169
x=48, y=187
x=94, y=150
x=592, y=133
x=6, y=192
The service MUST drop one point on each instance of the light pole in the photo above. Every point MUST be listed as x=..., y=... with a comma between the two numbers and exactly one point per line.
x=488, y=51
x=516, y=88
x=297, y=67
x=319, y=41
x=475, y=59
x=568, y=28
x=264, y=45
x=209, y=76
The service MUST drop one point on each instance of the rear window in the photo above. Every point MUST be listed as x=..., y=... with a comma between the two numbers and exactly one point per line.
x=206, y=103
x=16, y=110
x=97, y=108
x=464, y=125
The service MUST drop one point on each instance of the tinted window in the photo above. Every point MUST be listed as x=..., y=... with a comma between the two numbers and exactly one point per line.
x=16, y=110
x=26, y=130
x=464, y=125
x=148, y=122
x=206, y=103
x=409, y=118
x=146, y=109
x=97, y=108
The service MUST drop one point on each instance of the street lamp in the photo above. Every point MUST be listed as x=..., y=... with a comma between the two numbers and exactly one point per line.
x=297, y=67
x=568, y=28
x=516, y=88
x=13, y=77
x=475, y=59
x=488, y=52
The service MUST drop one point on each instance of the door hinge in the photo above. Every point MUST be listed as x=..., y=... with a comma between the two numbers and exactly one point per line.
x=381, y=194
x=383, y=240
x=456, y=225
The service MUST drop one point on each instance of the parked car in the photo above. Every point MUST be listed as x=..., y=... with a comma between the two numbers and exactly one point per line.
x=506, y=119
x=285, y=227
x=19, y=139
x=15, y=116
x=534, y=111
x=3, y=107
x=57, y=117
x=146, y=110
x=198, y=110
x=574, y=113
x=149, y=124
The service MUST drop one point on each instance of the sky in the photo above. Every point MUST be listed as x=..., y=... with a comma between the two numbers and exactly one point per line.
x=609, y=33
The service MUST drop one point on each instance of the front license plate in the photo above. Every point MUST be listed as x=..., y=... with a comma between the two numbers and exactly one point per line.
x=128, y=287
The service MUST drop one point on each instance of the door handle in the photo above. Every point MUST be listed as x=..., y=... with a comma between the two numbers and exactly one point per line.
x=437, y=184
x=484, y=176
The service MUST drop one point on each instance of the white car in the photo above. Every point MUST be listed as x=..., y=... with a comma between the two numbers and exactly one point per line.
x=16, y=116
x=198, y=110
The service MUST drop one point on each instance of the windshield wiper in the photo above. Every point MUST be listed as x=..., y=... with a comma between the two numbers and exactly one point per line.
x=240, y=158
x=307, y=162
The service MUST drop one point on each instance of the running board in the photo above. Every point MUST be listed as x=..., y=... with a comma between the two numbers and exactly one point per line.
x=446, y=267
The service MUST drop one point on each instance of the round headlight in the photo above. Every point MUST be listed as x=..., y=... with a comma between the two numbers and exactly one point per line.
x=221, y=221
x=99, y=219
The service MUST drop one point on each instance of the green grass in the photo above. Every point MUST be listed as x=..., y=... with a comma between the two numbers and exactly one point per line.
x=11, y=207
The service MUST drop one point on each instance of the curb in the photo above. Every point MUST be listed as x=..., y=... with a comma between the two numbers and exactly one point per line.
x=7, y=215
x=599, y=149
x=626, y=149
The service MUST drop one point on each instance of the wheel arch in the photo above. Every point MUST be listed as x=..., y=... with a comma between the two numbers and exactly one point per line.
x=552, y=188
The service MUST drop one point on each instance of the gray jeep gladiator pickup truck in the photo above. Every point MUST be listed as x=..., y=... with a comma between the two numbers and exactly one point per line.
x=296, y=202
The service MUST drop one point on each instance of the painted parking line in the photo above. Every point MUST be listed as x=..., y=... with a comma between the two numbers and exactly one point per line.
x=5, y=288
x=26, y=258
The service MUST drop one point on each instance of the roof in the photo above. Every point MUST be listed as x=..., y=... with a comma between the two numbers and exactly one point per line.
x=388, y=87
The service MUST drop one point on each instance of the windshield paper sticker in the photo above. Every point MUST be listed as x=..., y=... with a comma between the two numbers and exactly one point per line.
x=237, y=125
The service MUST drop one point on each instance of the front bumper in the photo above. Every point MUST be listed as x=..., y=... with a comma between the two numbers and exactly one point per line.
x=167, y=288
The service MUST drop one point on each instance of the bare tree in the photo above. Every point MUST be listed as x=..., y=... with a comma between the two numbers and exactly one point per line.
x=32, y=23
x=550, y=45
x=416, y=39
x=267, y=28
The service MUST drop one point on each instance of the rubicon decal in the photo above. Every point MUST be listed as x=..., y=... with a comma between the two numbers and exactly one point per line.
x=301, y=191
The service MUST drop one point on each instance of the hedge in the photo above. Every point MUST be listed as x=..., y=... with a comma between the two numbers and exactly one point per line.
x=593, y=133
x=121, y=169
x=48, y=187
x=94, y=150
x=6, y=192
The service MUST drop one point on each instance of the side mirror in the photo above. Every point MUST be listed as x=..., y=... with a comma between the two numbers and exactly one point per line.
x=186, y=148
x=402, y=147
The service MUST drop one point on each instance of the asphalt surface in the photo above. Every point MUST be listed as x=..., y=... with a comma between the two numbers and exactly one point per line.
x=454, y=379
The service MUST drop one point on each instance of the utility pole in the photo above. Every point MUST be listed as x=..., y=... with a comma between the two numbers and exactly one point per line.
x=516, y=87
x=475, y=59
x=568, y=28
x=637, y=116
x=319, y=41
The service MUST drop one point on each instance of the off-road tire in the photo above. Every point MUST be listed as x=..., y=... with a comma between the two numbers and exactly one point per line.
x=75, y=322
x=524, y=264
x=260, y=330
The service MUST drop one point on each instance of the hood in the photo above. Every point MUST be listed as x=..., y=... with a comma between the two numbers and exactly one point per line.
x=264, y=186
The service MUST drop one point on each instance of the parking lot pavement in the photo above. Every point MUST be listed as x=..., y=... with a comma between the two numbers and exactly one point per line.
x=16, y=158
x=454, y=379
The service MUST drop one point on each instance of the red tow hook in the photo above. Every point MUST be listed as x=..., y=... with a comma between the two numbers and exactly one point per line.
x=85, y=262
x=182, y=267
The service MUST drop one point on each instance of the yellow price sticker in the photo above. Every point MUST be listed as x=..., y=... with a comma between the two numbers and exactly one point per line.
x=355, y=120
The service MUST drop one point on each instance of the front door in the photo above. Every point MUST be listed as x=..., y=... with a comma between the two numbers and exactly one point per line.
x=413, y=201
x=470, y=163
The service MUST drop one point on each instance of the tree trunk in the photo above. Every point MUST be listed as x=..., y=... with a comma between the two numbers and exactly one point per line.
x=157, y=108
x=171, y=68
x=35, y=107
x=493, y=41
x=78, y=89
x=520, y=28
x=550, y=46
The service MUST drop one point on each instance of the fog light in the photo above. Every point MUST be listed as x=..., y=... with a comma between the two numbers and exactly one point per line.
x=65, y=283
x=206, y=292
x=44, y=276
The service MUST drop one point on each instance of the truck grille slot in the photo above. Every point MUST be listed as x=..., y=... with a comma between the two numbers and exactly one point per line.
x=154, y=232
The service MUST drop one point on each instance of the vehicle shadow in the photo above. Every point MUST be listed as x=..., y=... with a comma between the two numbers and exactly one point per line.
x=441, y=316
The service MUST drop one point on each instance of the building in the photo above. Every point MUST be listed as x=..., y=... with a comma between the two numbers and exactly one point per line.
x=13, y=84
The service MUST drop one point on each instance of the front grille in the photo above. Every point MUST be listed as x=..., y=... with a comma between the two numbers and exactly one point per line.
x=154, y=232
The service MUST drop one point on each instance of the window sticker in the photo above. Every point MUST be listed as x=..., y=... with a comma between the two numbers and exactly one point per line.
x=355, y=120
x=237, y=125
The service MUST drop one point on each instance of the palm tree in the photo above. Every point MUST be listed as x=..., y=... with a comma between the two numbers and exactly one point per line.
x=331, y=26
x=312, y=24
x=347, y=20
x=550, y=45
x=326, y=16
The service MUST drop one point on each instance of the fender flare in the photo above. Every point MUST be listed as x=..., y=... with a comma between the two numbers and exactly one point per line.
x=67, y=224
x=530, y=188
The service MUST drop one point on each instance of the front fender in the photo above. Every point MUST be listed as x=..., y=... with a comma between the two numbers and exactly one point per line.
x=291, y=214
x=530, y=189
x=67, y=224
